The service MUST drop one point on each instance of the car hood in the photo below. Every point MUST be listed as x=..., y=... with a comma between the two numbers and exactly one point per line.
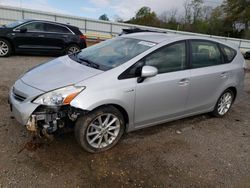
x=58, y=73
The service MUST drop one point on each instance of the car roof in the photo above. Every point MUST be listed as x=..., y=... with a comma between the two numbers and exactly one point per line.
x=156, y=37
x=53, y=22
x=149, y=36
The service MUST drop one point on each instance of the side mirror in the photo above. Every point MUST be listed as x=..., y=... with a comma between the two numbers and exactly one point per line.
x=146, y=72
x=23, y=30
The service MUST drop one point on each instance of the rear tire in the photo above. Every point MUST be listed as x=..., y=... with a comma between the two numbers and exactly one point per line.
x=5, y=48
x=224, y=103
x=72, y=48
x=100, y=129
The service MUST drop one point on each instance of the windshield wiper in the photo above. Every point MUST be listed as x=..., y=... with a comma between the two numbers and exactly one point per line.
x=90, y=63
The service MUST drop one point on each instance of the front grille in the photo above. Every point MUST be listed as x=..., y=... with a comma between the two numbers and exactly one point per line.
x=18, y=97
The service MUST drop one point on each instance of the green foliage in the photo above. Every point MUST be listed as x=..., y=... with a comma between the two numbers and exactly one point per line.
x=145, y=16
x=104, y=17
x=230, y=19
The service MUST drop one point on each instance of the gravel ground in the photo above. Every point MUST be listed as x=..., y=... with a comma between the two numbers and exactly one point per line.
x=200, y=151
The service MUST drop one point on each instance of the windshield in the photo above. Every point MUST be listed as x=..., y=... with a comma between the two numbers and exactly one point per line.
x=114, y=52
x=14, y=24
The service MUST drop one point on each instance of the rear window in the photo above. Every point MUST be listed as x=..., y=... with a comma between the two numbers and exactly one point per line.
x=228, y=52
x=56, y=28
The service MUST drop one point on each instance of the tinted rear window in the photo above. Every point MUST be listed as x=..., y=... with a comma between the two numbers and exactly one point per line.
x=228, y=52
x=56, y=28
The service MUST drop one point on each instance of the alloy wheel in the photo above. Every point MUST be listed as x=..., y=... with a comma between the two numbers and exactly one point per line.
x=103, y=130
x=4, y=49
x=73, y=49
x=225, y=103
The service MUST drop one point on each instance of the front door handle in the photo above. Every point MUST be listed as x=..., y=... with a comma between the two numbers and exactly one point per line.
x=41, y=36
x=184, y=82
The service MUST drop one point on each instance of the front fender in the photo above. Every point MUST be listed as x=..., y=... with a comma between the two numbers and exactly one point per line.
x=92, y=100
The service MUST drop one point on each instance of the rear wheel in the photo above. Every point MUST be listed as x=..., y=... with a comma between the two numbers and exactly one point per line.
x=224, y=103
x=5, y=48
x=72, y=48
x=100, y=130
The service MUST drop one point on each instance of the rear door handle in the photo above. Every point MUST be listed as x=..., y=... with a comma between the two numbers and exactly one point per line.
x=223, y=74
x=41, y=36
x=184, y=82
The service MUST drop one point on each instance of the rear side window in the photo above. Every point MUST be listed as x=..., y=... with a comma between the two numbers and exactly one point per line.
x=56, y=28
x=205, y=53
x=228, y=52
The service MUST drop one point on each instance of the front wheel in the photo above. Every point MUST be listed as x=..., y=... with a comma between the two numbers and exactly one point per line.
x=100, y=130
x=5, y=48
x=224, y=103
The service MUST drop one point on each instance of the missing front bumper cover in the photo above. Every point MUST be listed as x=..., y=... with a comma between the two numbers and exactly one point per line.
x=46, y=120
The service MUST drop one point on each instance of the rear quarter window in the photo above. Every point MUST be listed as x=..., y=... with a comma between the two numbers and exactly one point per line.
x=228, y=53
x=56, y=28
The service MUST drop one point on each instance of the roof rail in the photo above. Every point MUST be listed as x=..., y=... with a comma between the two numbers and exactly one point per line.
x=137, y=30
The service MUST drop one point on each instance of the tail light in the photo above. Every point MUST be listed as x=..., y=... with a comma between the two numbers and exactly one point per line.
x=83, y=37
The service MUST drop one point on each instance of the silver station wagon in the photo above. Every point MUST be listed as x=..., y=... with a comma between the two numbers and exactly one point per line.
x=128, y=83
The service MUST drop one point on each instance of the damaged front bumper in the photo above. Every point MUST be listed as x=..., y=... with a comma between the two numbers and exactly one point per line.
x=37, y=118
x=46, y=120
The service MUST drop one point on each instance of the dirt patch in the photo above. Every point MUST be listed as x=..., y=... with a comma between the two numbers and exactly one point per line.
x=3, y=100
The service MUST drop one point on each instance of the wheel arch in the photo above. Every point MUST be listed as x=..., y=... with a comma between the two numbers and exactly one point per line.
x=118, y=107
x=234, y=90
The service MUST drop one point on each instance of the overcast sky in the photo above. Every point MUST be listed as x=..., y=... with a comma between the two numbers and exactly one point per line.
x=94, y=8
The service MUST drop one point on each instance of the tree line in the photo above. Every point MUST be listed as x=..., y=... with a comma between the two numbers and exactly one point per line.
x=230, y=19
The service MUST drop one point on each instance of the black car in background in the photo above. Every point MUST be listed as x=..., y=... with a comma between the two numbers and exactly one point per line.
x=39, y=36
x=247, y=55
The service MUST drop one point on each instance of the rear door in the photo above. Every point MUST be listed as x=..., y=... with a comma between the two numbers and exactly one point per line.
x=208, y=76
x=57, y=36
x=165, y=95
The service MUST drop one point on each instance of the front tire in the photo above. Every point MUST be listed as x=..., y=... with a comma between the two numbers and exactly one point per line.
x=5, y=48
x=224, y=103
x=100, y=129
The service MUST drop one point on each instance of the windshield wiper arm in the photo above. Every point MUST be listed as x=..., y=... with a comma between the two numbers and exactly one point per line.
x=90, y=63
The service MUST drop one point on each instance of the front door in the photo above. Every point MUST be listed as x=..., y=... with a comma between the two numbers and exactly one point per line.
x=32, y=38
x=164, y=96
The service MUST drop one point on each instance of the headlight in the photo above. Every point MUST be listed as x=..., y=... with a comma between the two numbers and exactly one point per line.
x=60, y=96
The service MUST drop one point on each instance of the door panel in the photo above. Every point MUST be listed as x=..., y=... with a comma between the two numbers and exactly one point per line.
x=206, y=84
x=32, y=39
x=29, y=40
x=208, y=76
x=161, y=97
x=56, y=35
x=165, y=95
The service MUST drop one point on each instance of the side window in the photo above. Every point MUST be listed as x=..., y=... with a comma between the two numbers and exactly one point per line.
x=229, y=53
x=169, y=58
x=56, y=28
x=34, y=26
x=205, y=53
